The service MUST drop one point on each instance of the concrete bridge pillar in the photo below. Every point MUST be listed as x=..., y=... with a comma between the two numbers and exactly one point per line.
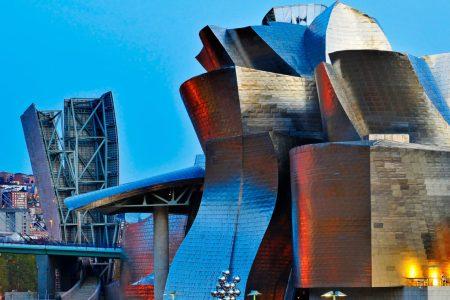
x=46, y=266
x=161, y=250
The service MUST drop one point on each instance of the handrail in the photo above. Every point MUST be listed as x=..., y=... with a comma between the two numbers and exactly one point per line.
x=68, y=294
x=96, y=294
x=74, y=250
x=77, y=285
x=93, y=246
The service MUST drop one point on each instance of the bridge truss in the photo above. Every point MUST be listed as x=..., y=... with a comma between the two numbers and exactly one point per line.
x=72, y=152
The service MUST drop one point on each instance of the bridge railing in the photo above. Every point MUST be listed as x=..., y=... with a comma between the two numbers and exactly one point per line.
x=58, y=243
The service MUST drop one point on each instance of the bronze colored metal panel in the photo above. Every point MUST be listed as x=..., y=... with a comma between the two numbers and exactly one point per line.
x=331, y=215
x=212, y=102
x=214, y=55
x=335, y=119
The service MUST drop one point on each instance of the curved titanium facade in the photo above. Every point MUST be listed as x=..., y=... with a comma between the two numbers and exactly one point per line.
x=331, y=215
x=368, y=213
x=240, y=101
x=241, y=192
x=335, y=119
x=233, y=111
x=291, y=49
x=341, y=27
x=259, y=99
x=242, y=47
x=380, y=93
x=439, y=65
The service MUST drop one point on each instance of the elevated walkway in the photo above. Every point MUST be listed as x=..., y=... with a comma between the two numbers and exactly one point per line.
x=62, y=250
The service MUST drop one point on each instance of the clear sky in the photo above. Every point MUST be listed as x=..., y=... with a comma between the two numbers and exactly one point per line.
x=142, y=50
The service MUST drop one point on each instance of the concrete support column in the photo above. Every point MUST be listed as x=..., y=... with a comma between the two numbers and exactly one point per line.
x=160, y=249
x=46, y=276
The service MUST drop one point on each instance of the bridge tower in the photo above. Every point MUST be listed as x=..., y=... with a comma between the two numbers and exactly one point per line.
x=74, y=151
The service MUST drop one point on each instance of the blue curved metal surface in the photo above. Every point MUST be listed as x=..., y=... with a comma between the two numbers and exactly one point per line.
x=287, y=41
x=315, y=37
x=80, y=201
x=241, y=188
x=430, y=85
x=440, y=68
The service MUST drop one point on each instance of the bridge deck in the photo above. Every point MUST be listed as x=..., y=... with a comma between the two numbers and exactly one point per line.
x=62, y=250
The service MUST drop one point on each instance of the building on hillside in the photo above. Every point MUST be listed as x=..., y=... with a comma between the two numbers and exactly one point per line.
x=6, y=177
x=14, y=220
x=18, y=199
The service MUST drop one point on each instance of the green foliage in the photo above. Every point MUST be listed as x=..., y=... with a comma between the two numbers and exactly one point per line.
x=17, y=272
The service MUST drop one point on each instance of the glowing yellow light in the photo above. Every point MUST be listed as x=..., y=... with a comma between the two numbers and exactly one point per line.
x=412, y=271
x=433, y=274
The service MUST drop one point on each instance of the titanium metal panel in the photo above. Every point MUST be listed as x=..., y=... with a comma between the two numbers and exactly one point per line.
x=215, y=54
x=240, y=195
x=384, y=95
x=430, y=85
x=39, y=162
x=236, y=101
x=241, y=47
x=233, y=110
x=335, y=120
x=301, y=14
x=440, y=68
x=287, y=42
x=331, y=215
x=341, y=27
x=207, y=249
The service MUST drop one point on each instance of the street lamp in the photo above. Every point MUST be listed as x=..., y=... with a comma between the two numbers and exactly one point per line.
x=334, y=295
x=225, y=289
x=254, y=294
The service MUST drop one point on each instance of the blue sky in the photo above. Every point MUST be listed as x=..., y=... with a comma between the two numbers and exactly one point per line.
x=142, y=50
